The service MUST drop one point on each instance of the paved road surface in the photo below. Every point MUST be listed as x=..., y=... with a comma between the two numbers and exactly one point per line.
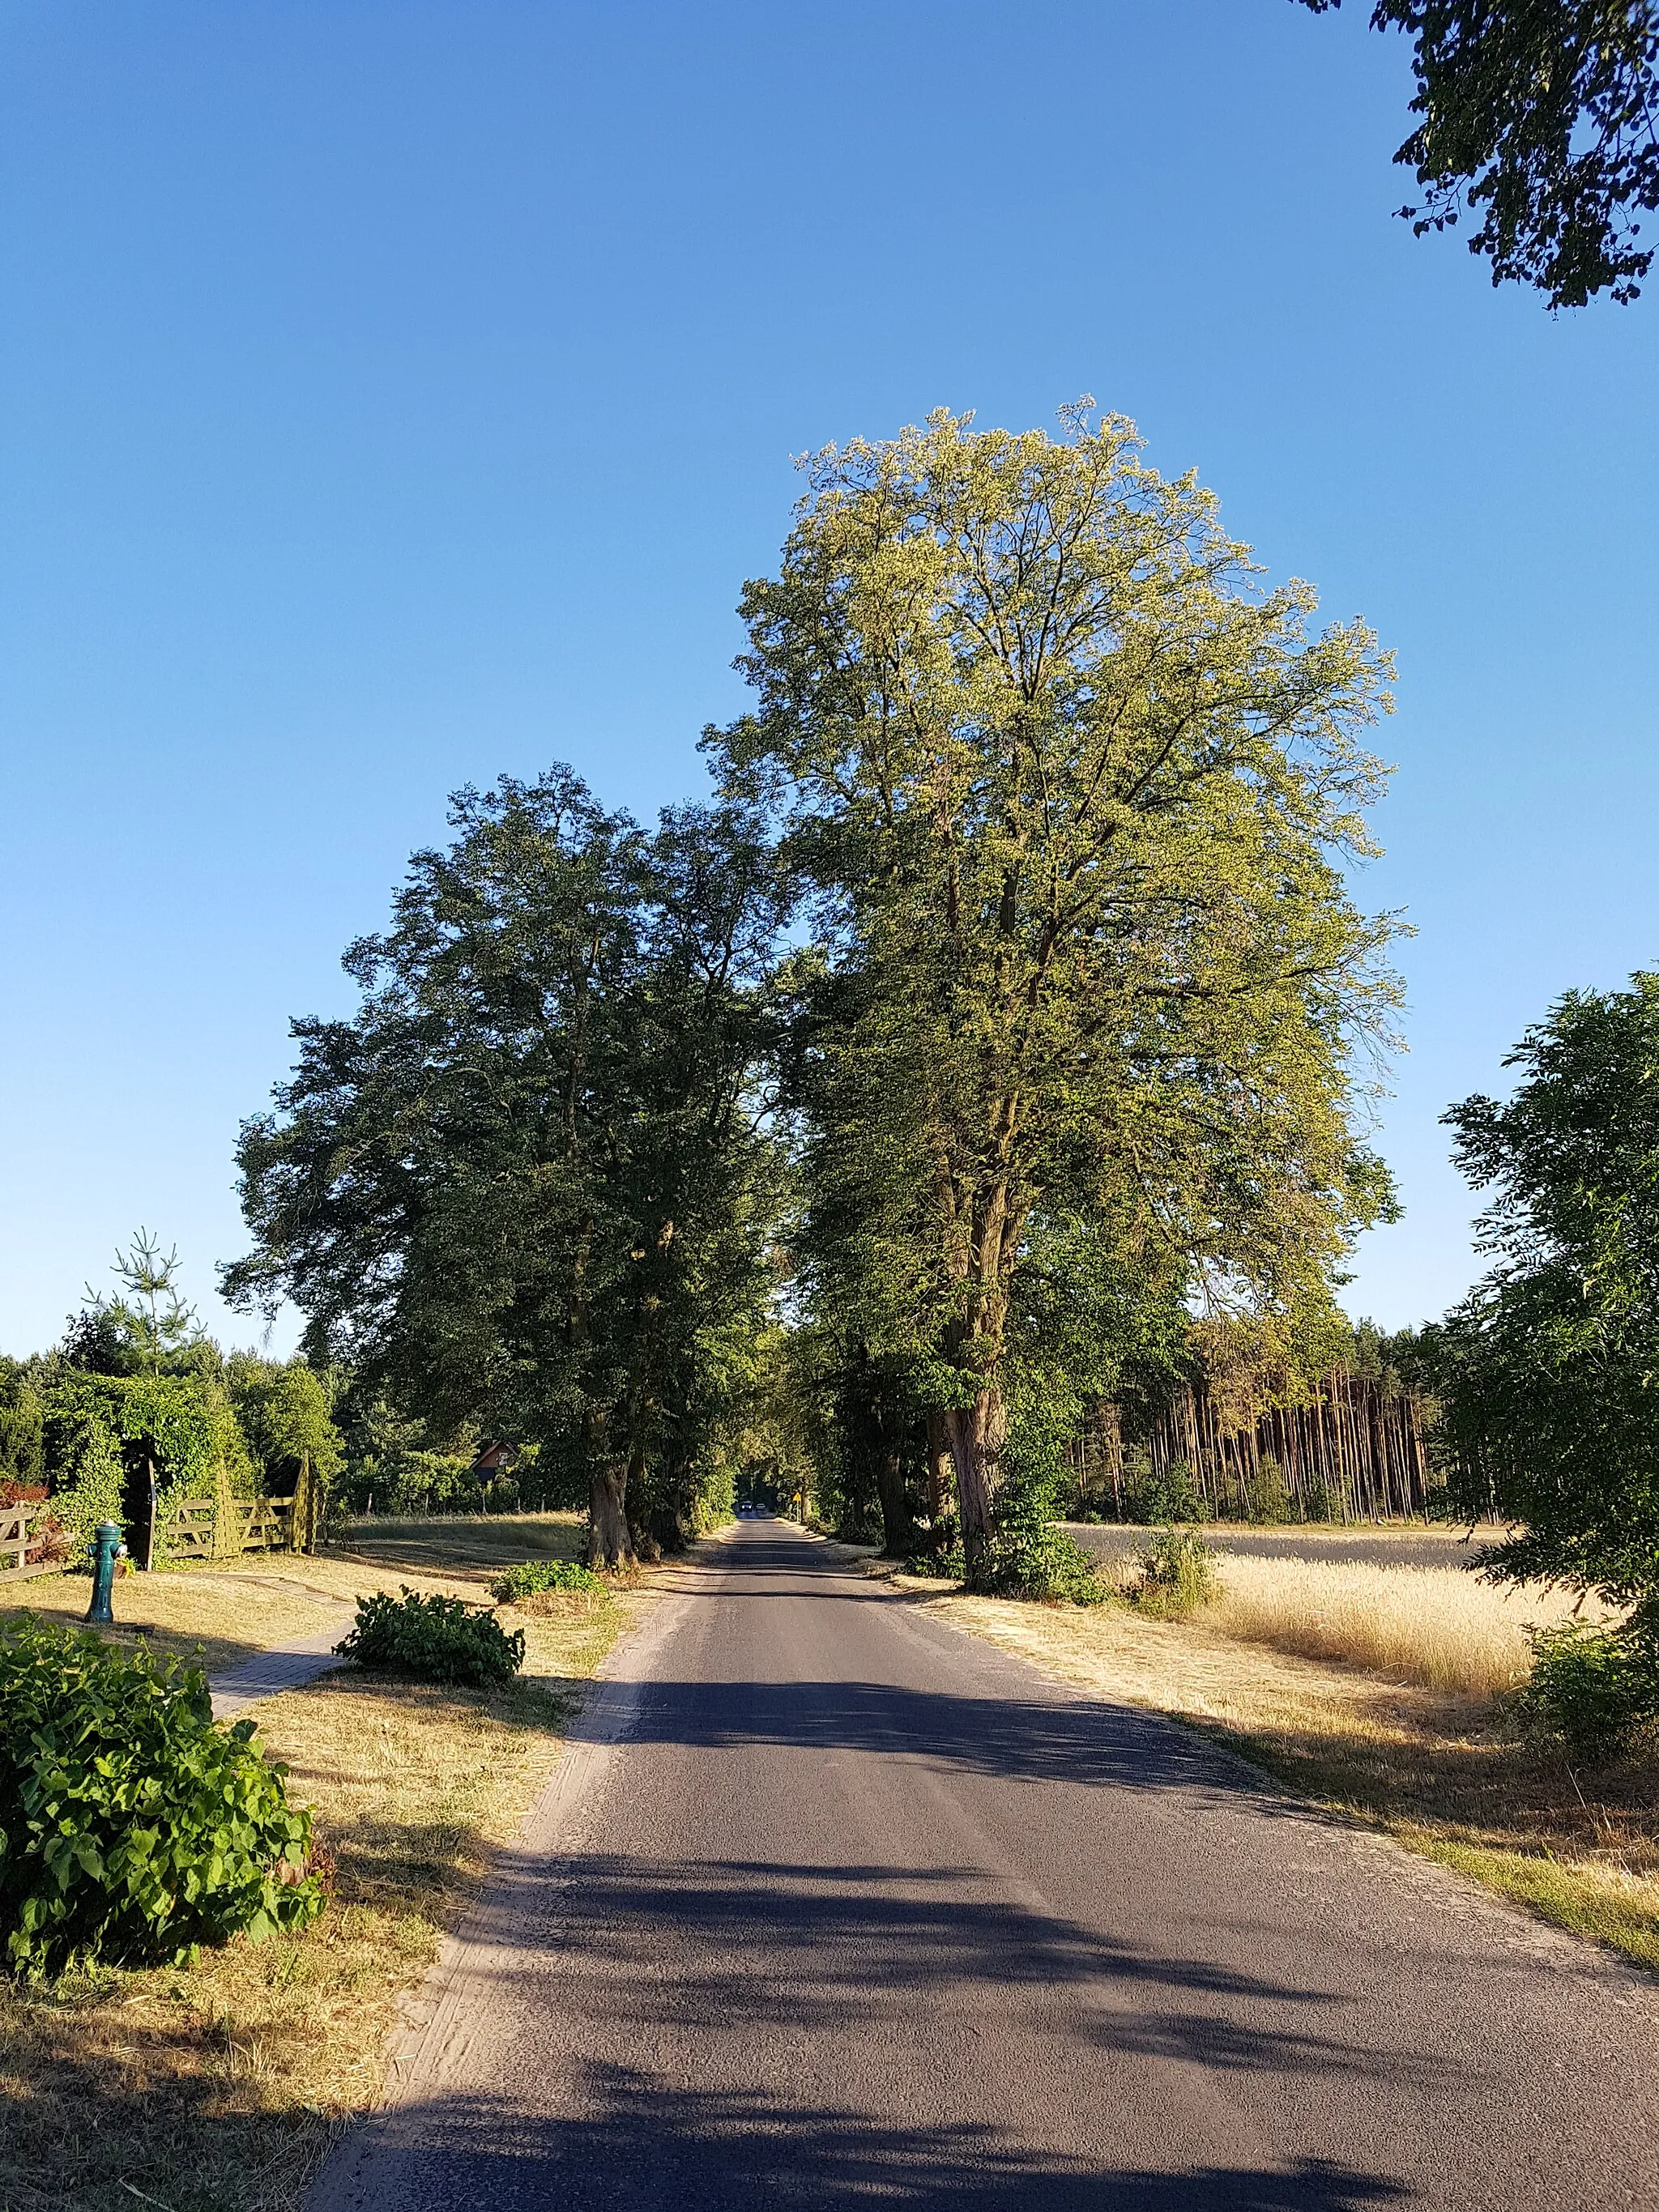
x=859, y=1911
x=1360, y=1547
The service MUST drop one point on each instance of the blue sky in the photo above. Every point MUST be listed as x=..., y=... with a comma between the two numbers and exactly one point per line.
x=397, y=393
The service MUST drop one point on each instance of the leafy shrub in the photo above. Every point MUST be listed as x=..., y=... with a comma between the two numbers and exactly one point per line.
x=436, y=1639
x=1169, y=1496
x=1030, y=1556
x=948, y=1563
x=1177, y=1575
x=133, y=1828
x=1596, y=1687
x=1267, y=1493
x=537, y=1575
x=1320, y=1502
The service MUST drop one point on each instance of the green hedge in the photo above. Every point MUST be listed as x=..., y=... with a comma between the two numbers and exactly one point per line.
x=134, y=1828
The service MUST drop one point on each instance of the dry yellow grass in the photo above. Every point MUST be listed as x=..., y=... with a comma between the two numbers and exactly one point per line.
x=219, y=2089
x=1442, y=1627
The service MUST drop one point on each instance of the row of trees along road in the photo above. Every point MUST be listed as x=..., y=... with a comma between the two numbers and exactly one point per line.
x=1007, y=1003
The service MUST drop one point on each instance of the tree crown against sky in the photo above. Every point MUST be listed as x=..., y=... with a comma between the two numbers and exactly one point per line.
x=1549, y=1370
x=1541, y=118
x=527, y=1186
x=1073, y=794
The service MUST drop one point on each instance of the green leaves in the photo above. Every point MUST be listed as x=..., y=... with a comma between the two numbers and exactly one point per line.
x=1073, y=791
x=1542, y=116
x=134, y=1828
x=1547, y=1373
x=434, y=1639
x=529, y=1186
x=537, y=1575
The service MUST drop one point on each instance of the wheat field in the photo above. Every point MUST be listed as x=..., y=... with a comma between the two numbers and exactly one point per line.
x=1442, y=1627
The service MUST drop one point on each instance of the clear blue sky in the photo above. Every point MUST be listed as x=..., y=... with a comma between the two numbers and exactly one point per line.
x=394, y=393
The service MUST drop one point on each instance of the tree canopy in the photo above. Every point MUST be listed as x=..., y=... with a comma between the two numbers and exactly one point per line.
x=1541, y=117
x=527, y=1186
x=1548, y=1371
x=1069, y=792
x=1006, y=1009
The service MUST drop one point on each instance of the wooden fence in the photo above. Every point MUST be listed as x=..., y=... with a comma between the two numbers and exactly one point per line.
x=226, y=1528
x=222, y=1528
x=1354, y=1452
x=22, y=1533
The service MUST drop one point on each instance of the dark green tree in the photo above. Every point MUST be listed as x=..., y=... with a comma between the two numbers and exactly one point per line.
x=527, y=1187
x=282, y=1408
x=1547, y=1373
x=21, y=1415
x=1541, y=118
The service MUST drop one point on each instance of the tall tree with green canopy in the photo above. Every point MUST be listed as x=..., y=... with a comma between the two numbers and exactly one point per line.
x=1547, y=1373
x=526, y=1186
x=1541, y=117
x=1072, y=791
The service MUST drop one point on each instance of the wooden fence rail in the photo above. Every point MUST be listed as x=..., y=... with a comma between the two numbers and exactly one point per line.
x=226, y=1528
x=21, y=1533
x=200, y=1529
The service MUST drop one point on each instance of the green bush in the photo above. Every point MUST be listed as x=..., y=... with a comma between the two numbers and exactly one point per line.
x=1177, y=1575
x=547, y=1575
x=1030, y=1556
x=1595, y=1687
x=1320, y=1502
x=1267, y=1493
x=132, y=1828
x=1169, y=1496
x=436, y=1639
x=946, y=1565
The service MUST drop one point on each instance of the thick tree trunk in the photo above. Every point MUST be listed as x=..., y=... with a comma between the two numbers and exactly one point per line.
x=977, y=1434
x=897, y=1527
x=609, y=1543
x=939, y=1468
x=642, y=1520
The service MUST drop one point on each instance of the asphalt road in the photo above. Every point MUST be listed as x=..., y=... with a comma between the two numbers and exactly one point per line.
x=837, y=1905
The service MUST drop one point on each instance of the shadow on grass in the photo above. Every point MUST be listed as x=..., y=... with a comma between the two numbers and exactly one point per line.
x=480, y=1542
x=97, y=2111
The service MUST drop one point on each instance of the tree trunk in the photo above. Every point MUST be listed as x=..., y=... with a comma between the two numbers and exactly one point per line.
x=977, y=1434
x=897, y=1529
x=939, y=1468
x=609, y=1543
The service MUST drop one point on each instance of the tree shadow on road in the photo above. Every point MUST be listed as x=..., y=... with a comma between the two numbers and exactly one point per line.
x=1038, y=1738
x=730, y=1956
x=698, y=2150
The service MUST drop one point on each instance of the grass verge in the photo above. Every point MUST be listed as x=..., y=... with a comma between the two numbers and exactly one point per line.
x=1448, y=1774
x=219, y=2088
x=225, y=1612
